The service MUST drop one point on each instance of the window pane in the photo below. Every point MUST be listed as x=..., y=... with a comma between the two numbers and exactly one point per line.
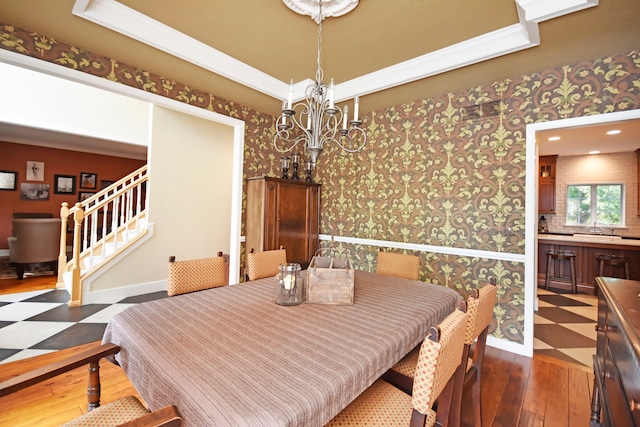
x=609, y=204
x=578, y=204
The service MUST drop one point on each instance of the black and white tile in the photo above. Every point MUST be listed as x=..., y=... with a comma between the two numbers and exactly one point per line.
x=565, y=326
x=38, y=322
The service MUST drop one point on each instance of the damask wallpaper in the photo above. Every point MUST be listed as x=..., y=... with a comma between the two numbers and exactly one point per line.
x=448, y=172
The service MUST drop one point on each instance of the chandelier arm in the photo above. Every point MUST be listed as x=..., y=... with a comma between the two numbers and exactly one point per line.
x=294, y=142
x=351, y=135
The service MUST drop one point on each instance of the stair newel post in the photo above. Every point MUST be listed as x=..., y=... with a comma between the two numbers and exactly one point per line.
x=62, y=256
x=76, y=291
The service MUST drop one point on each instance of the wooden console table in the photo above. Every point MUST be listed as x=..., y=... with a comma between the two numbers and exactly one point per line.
x=616, y=396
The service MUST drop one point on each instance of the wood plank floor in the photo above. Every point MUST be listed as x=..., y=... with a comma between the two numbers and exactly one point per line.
x=516, y=391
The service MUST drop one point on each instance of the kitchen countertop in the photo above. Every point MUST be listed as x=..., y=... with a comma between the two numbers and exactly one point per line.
x=589, y=238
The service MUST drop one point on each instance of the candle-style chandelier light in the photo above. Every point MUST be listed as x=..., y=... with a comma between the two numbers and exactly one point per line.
x=316, y=120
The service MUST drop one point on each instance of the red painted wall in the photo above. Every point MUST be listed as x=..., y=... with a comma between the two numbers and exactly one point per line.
x=14, y=157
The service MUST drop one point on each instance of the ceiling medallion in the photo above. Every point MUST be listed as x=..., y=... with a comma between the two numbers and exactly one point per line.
x=330, y=8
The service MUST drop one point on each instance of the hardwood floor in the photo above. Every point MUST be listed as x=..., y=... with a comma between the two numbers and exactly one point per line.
x=516, y=391
x=12, y=286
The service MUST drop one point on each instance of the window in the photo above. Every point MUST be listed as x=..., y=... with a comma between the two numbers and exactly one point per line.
x=588, y=204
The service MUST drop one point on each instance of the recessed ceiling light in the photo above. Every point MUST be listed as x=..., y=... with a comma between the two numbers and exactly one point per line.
x=594, y=152
x=613, y=132
x=554, y=138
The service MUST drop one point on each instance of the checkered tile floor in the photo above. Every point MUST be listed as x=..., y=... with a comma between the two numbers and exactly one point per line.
x=33, y=323
x=38, y=322
x=565, y=326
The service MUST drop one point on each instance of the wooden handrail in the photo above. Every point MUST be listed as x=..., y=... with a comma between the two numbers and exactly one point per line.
x=89, y=236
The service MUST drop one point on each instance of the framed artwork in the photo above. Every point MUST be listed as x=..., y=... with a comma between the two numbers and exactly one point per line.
x=88, y=180
x=84, y=195
x=30, y=191
x=8, y=180
x=35, y=171
x=104, y=184
x=64, y=184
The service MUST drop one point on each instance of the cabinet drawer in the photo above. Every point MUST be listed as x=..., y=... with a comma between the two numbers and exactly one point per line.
x=623, y=360
x=616, y=408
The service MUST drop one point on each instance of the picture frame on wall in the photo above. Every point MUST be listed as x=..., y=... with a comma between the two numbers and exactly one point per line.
x=88, y=180
x=35, y=171
x=84, y=195
x=8, y=180
x=34, y=192
x=105, y=183
x=64, y=184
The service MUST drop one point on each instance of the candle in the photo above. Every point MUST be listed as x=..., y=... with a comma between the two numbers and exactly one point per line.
x=290, y=100
x=356, y=107
x=284, y=118
x=289, y=282
x=331, y=104
x=346, y=114
x=309, y=121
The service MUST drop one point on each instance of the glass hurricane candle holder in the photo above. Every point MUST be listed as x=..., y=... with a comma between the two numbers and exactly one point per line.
x=295, y=161
x=289, y=285
x=286, y=161
x=309, y=167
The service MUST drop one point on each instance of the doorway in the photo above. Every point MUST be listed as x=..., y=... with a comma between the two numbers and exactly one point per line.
x=533, y=150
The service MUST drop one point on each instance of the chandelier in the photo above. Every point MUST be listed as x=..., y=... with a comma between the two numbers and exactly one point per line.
x=316, y=120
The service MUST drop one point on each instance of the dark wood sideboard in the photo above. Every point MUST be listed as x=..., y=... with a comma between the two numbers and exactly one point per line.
x=283, y=212
x=616, y=396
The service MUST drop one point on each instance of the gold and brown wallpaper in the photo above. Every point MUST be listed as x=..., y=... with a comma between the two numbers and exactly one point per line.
x=447, y=171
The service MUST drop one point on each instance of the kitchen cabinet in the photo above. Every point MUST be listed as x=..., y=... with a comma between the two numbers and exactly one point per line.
x=283, y=212
x=547, y=185
x=616, y=365
x=587, y=266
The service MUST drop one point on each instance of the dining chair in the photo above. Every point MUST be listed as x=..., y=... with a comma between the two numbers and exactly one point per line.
x=127, y=411
x=438, y=361
x=265, y=263
x=197, y=274
x=480, y=305
x=405, y=266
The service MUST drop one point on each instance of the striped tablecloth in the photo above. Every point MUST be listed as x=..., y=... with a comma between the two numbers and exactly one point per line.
x=232, y=357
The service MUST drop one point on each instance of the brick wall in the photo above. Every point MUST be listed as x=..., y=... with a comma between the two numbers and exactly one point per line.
x=601, y=168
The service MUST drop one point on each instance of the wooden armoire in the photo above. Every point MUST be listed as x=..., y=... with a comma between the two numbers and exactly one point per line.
x=283, y=212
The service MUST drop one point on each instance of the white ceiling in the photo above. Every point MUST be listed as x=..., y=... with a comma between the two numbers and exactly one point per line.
x=579, y=141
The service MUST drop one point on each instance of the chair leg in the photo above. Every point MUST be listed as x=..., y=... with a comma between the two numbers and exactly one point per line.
x=626, y=271
x=445, y=400
x=475, y=397
x=548, y=275
x=574, y=279
x=478, y=358
x=601, y=268
x=458, y=389
x=20, y=271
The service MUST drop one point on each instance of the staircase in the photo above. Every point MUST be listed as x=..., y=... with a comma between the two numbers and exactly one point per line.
x=103, y=226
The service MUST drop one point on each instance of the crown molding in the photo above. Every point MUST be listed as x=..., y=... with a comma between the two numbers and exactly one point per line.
x=520, y=36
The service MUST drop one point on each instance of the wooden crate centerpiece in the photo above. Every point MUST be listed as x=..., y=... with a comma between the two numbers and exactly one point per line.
x=330, y=281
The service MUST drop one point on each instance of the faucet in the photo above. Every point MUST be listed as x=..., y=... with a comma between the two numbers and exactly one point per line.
x=594, y=229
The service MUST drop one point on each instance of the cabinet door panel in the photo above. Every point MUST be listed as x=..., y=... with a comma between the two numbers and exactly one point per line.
x=271, y=217
x=293, y=231
x=547, y=197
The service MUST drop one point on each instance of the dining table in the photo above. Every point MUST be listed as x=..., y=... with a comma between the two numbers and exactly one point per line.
x=231, y=356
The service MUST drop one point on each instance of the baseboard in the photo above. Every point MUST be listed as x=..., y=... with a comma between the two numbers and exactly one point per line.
x=111, y=296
